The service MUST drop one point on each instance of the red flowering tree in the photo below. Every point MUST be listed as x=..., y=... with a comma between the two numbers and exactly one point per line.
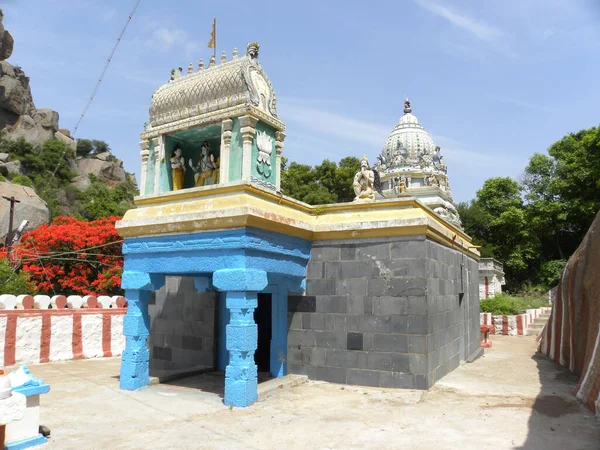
x=72, y=256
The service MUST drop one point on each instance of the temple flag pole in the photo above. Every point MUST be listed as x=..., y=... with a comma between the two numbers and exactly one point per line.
x=212, y=43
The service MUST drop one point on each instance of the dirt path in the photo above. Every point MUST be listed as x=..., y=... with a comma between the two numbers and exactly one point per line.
x=507, y=399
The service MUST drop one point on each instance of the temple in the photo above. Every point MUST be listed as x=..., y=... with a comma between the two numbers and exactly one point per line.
x=411, y=164
x=224, y=272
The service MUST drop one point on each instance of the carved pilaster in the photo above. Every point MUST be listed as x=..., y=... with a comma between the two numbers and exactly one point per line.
x=144, y=154
x=248, y=130
x=280, y=137
x=226, y=127
x=159, y=157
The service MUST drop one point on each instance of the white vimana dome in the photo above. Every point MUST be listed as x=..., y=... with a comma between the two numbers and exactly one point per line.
x=411, y=164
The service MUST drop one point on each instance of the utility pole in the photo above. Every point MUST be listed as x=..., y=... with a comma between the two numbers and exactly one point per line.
x=9, y=235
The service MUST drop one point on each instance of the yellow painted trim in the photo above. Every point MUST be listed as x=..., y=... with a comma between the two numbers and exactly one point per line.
x=241, y=204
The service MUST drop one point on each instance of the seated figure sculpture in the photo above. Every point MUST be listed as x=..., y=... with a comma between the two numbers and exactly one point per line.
x=366, y=182
x=207, y=170
x=177, y=169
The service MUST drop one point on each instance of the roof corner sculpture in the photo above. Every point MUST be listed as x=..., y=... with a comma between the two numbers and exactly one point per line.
x=411, y=164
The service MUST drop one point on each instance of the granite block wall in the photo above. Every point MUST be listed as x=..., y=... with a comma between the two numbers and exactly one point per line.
x=182, y=328
x=397, y=312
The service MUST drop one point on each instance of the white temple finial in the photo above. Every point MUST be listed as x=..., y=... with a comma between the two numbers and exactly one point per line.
x=223, y=57
x=200, y=65
x=190, y=68
x=212, y=61
x=235, y=53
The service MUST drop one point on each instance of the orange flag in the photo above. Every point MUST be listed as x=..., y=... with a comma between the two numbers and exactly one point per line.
x=213, y=35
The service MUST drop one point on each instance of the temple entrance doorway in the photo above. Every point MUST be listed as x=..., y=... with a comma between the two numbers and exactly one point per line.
x=263, y=318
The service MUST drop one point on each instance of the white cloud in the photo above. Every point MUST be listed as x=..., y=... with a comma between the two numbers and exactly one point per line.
x=165, y=39
x=334, y=124
x=490, y=34
x=477, y=28
x=524, y=104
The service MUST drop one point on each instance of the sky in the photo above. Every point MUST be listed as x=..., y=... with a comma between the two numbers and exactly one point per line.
x=492, y=82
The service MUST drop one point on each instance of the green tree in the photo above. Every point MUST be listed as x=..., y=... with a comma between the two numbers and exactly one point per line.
x=87, y=147
x=13, y=282
x=98, y=201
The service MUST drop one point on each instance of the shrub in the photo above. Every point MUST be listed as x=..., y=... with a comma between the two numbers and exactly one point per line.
x=504, y=304
x=23, y=180
x=13, y=282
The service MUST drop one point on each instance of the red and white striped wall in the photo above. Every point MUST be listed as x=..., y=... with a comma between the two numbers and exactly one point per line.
x=512, y=325
x=74, y=328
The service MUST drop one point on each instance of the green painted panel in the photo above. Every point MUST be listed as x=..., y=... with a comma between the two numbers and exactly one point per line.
x=235, y=152
x=149, y=188
x=261, y=170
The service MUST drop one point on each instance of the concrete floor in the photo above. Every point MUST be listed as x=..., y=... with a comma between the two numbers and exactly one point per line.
x=508, y=399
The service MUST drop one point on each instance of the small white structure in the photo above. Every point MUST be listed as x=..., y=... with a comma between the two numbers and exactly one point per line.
x=24, y=433
x=491, y=277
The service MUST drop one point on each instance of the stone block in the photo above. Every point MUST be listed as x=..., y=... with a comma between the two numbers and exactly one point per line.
x=376, y=324
x=378, y=287
x=362, y=377
x=424, y=381
x=354, y=341
x=332, y=304
x=396, y=343
x=417, y=364
x=355, y=286
x=397, y=380
x=390, y=305
x=240, y=393
x=408, y=249
x=330, y=339
x=295, y=321
x=332, y=269
x=315, y=270
x=353, y=323
x=368, y=341
x=355, y=269
x=410, y=324
x=317, y=322
x=162, y=353
x=321, y=287
x=340, y=358
x=379, y=361
x=402, y=287
x=302, y=338
x=302, y=369
x=368, y=302
x=335, y=322
x=356, y=304
x=325, y=253
x=400, y=362
x=348, y=252
x=373, y=251
x=417, y=305
x=318, y=356
x=302, y=303
x=331, y=374
x=306, y=321
x=417, y=344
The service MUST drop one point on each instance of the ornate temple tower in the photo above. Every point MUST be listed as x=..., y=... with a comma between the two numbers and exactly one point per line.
x=411, y=164
x=222, y=122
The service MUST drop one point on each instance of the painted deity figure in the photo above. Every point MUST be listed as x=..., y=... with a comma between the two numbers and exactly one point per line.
x=364, y=182
x=206, y=172
x=177, y=169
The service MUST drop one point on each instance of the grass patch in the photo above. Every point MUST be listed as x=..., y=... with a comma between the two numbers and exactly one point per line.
x=505, y=304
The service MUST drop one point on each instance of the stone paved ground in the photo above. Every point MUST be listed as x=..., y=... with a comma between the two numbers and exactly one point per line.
x=507, y=399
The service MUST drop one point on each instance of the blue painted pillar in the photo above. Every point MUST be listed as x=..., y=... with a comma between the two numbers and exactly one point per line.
x=279, y=307
x=241, y=376
x=223, y=315
x=135, y=360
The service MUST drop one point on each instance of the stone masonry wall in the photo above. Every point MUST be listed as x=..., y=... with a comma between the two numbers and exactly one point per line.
x=182, y=328
x=384, y=312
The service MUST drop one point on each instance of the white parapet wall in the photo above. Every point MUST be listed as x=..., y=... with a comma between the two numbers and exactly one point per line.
x=36, y=329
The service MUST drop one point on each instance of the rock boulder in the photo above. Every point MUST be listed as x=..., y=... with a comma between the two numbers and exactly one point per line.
x=6, y=41
x=31, y=208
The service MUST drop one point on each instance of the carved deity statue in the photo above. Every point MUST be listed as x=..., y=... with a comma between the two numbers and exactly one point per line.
x=177, y=169
x=364, y=182
x=400, y=185
x=206, y=172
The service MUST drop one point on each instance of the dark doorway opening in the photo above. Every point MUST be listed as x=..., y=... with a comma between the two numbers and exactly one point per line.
x=262, y=317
